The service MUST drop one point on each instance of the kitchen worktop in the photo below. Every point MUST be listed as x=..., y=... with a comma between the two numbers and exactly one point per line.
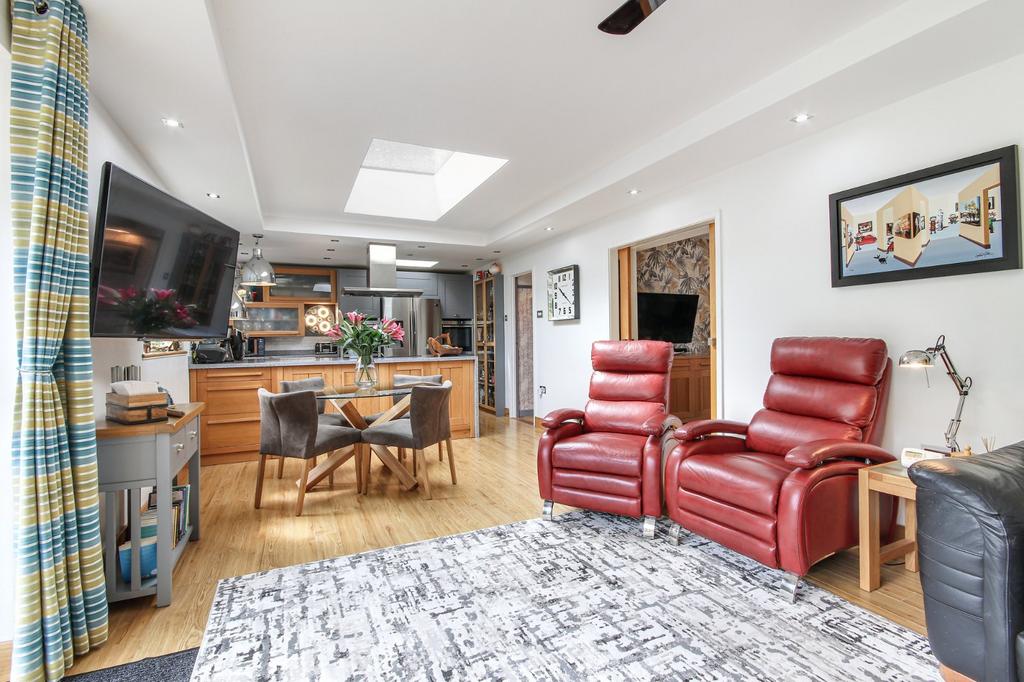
x=297, y=360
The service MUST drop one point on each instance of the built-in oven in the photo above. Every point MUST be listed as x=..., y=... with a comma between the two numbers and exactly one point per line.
x=460, y=331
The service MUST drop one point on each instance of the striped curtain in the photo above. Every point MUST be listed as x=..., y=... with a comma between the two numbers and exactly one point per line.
x=60, y=599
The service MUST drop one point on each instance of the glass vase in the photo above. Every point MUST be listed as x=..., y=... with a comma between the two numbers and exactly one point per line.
x=366, y=372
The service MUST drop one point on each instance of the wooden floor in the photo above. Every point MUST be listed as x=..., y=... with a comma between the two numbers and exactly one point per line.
x=497, y=485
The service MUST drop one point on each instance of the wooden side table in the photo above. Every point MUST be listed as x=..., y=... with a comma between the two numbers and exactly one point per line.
x=891, y=479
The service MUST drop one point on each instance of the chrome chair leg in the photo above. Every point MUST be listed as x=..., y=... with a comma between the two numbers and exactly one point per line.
x=791, y=583
x=673, y=532
x=547, y=513
x=650, y=523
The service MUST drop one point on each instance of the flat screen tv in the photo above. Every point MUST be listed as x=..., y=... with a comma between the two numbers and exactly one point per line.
x=160, y=268
x=666, y=317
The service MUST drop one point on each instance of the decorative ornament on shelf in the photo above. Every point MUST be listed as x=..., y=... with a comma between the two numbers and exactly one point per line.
x=365, y=340
x=494, y=269
x=258, y=272
x=925, y=359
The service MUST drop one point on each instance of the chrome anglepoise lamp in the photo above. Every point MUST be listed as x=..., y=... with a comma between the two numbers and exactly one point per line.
x=926, y=358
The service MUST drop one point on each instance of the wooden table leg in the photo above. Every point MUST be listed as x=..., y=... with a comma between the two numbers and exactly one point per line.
x=910, y=524
x=327, y=467
x=870, y=568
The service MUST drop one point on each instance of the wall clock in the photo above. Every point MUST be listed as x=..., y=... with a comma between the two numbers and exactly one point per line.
x=564, y=293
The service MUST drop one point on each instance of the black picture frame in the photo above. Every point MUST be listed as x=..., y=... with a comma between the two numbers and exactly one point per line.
x=1009, y=184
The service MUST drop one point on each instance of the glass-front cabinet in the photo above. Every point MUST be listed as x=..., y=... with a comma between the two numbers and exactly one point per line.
x=296, y=283
x=274, y=319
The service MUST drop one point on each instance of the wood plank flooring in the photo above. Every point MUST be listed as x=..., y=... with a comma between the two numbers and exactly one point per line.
x=497, y=485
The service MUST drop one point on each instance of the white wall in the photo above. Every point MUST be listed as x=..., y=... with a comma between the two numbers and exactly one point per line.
x=108, y=143
x=775, y=277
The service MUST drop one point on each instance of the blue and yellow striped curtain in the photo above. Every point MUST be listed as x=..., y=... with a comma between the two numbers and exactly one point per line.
x=59, y=592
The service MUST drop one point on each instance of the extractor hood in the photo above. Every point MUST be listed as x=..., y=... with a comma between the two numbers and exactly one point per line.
x=381, y=274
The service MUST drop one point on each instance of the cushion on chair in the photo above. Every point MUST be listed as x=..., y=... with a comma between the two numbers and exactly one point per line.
x=751, y=480
x=329, y=437
x=631, y=356
x=619, y=454
x=857, y=361
x=779, y=432
x=397, y=433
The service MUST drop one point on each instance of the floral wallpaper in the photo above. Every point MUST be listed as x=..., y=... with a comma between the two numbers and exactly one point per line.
x=681, y=267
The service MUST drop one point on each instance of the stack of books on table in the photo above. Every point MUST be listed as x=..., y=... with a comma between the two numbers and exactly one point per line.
x=180, y=522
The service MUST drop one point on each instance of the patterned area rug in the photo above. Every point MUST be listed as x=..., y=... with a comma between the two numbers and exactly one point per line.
x=582, y=597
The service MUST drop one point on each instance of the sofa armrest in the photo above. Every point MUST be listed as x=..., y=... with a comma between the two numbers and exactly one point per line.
x=815, y=453
x=559, y=417
x=660, y=424
x=706, y=427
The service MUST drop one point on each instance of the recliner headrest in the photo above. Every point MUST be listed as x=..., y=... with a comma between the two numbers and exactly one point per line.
x=856, y=361
x=632, y=356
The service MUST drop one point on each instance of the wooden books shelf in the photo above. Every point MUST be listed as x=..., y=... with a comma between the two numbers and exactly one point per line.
x=488, y=335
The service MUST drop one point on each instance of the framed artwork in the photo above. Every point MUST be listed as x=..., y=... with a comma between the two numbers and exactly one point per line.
x=564, y=293
x=952, y=219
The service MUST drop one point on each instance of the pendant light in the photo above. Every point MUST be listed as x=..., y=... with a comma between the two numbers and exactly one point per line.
x=239, y=297
x=258, y=272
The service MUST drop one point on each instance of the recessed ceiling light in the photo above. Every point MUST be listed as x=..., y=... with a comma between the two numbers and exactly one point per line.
x=633, y=192
x=327, y=258
x=548, y=229
x=420, y=246
x=463, y=266
x=172, y=123
x=802, y=117
x=335, y=240
x=213, y=195
x=479, y=258
x=400, y=180
x=496, y=251
x=330, y=249
x=411, y=263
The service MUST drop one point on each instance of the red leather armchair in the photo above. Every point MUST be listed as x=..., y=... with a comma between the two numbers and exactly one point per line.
x=607, y=457
x=783, y=488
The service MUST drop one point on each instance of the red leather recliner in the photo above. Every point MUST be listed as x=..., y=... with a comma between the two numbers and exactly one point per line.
x=607, y=457
x=783, y=489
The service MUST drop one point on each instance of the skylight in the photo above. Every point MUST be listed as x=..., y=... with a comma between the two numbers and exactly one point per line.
x=399, y=180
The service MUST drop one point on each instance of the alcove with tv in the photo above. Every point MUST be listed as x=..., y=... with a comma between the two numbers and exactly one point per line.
x=666, y=293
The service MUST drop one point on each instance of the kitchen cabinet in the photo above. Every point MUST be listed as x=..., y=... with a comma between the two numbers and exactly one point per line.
x=457, y=297
x=230, y=426
x=273, y=319
x=489, y=344
x=427, y=282
x=296, y=284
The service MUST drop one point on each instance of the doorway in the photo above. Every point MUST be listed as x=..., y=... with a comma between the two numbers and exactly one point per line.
x=524, y=346
x=679, y=264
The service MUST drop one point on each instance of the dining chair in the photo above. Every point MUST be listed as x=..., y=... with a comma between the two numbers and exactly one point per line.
x=290, y=427
x=401, y=381
x=332, y=418
x=428, y=424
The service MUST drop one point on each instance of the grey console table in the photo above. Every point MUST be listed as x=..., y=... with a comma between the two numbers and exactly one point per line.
x=131, y=458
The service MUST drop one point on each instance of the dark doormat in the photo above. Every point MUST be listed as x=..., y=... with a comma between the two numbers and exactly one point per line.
x=176, y=667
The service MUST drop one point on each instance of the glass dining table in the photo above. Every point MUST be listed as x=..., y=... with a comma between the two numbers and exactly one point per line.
x=343, y=401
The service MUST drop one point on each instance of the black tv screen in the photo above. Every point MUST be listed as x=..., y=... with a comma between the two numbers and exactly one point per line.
x=666, y=317
x=161, y=269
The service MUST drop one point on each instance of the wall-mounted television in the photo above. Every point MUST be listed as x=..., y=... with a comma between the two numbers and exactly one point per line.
x=666, y=317
x=160, y=268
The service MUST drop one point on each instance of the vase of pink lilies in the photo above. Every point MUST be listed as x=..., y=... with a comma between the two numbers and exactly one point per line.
x=366, y=340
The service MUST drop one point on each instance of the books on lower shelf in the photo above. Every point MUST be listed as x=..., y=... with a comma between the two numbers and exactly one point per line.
x=180, y=523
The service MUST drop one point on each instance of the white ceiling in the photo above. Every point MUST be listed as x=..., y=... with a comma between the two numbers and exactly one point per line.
x=280, y=100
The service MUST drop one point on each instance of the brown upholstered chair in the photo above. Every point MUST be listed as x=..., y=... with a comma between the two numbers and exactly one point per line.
x=290, y=427
x=428, y=424
x=401, y=381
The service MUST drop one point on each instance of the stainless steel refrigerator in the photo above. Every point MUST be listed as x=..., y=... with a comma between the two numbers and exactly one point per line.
x=421, y=318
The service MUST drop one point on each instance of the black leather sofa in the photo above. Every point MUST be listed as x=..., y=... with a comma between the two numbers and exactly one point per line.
x=970, y=515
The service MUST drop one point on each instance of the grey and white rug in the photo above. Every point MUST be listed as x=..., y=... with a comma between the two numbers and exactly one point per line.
x=582, y=597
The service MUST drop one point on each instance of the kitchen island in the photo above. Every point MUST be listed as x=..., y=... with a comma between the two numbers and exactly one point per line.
x=230, y=427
